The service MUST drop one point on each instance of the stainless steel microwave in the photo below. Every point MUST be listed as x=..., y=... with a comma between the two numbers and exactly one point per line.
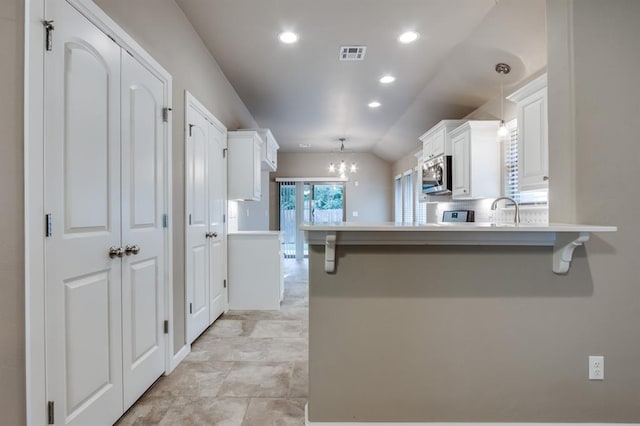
x=436, y=176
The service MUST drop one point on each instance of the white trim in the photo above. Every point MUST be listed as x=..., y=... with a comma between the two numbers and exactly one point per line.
x=312, y=179
x=178, y=358
x=528, y=89
x=309, y=423
x=34, y=190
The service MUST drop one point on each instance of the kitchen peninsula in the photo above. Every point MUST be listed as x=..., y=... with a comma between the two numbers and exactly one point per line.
x=406, y=321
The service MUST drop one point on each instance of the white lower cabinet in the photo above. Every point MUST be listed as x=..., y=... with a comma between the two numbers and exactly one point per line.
x=476, y=160
x=256, y=280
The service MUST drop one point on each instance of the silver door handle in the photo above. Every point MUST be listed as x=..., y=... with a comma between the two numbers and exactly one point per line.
x=132, y=249
x=116, y=252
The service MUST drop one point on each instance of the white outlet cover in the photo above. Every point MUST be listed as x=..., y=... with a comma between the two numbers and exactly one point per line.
x=355, y=214
x=596, y=367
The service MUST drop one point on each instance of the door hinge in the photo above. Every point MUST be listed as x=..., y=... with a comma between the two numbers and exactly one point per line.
x=190, y=127
x=165, y=114
x=165, y=220
x=50, y=413
x=48, y=29
x=224, y=283
x=224, y=218
x=224, y=152
x=48, y=225
x=189, y=218
x=190, y=308
x=166, y=327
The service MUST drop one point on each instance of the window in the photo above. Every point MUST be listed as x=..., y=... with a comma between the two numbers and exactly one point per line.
x=420, y=208
x=407, y=197
x=398, y=198
x=511, y=172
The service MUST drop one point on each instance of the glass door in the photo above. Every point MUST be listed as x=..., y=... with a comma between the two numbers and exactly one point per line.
x=327, y=204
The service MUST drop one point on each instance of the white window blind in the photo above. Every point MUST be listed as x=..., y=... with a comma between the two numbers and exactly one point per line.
x=407, y=197
x=420, y=208
x=512, y=173
x=398, y=198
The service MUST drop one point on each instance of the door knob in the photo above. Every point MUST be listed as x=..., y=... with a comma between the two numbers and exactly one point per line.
x=132, y=249
x=211, y=234
x=116, y=252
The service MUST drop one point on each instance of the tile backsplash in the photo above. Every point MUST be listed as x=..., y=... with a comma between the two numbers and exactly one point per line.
x=538, y=215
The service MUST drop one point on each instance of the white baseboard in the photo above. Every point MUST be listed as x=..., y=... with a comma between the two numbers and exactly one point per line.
x=308, y=423
x=178, y=357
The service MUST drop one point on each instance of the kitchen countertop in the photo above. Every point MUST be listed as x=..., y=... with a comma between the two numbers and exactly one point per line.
x=455, y=227
x=563, y=237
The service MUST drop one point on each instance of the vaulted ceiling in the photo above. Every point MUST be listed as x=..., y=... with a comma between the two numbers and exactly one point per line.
x=306, y=96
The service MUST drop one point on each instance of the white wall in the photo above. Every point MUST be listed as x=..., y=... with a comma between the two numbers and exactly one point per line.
x=369, y=192
x=162, y=29
x=254, y=215
x=12, y=354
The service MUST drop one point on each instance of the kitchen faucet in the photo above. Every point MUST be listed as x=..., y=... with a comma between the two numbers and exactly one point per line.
x=516, y=218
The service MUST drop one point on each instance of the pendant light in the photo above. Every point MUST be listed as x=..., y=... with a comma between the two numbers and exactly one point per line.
x=502, y=69
x=341, y=168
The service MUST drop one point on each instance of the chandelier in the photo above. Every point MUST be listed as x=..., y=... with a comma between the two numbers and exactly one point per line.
x=341, y=168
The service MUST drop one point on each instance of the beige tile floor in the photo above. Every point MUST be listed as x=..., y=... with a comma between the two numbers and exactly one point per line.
x=249, y=368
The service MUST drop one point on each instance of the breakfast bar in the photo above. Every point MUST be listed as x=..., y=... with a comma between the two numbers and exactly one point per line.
x=447, y=322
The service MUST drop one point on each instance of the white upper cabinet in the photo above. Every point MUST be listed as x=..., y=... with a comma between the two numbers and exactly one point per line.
x=269, y=154
x=435, y=141
x=476, y=160
x=533, y=144
x=245, y=157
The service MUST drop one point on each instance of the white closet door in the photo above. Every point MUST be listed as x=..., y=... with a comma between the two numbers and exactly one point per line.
x=197, y=262
x=82, y=187
x=217, y=172
x=143, y=235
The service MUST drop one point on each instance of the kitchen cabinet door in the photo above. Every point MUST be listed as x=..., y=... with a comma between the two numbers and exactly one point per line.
x=438, y=143
x=533, y=146
x=245, y=156
x=460, y=164
x=427, y=145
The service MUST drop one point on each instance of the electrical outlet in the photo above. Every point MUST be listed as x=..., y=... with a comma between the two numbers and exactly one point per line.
x=596, y=368
x=355, y=214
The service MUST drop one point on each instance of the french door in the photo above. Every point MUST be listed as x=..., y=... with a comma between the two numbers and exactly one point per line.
x=104, y=198
x=306, y=201
x=205, y=263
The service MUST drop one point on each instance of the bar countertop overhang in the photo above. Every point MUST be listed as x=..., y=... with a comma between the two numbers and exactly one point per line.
x=563, y=237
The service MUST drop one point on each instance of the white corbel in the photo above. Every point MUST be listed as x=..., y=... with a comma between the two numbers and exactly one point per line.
x=330, y=252
x=563, y=249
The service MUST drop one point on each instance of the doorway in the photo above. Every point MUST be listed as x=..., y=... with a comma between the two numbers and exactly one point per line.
x=306, y=201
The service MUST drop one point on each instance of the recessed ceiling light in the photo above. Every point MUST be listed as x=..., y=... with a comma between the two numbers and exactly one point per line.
x=288, y=37
x=374, y=104
x=305, y=145
x=408, y=37
x=387, y=79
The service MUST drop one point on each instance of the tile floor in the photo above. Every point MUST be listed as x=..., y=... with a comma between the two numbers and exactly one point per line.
x=249, y=368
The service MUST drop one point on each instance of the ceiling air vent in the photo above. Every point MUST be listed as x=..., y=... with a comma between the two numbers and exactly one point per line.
x=352, y=53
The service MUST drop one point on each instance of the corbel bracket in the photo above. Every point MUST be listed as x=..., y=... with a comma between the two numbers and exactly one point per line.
x=563, y=249
x=330, y=252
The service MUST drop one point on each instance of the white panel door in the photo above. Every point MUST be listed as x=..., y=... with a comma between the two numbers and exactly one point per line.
x=533, y=150
x=460, y=163
x=217, y=172
x=197, y=243
x=82, y=187
x=143, y=235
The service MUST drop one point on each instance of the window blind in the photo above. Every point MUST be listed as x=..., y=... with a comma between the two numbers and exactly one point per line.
x=407, y=199
x=420, y=208
x=398, y=199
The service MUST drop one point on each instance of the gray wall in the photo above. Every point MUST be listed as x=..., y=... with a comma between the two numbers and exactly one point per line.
x=493, y=335
x=369, y=191
x=12, y=360
x=162, y=29
x=254, y=215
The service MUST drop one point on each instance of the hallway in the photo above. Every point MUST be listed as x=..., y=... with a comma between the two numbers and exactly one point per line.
x=248, y=368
